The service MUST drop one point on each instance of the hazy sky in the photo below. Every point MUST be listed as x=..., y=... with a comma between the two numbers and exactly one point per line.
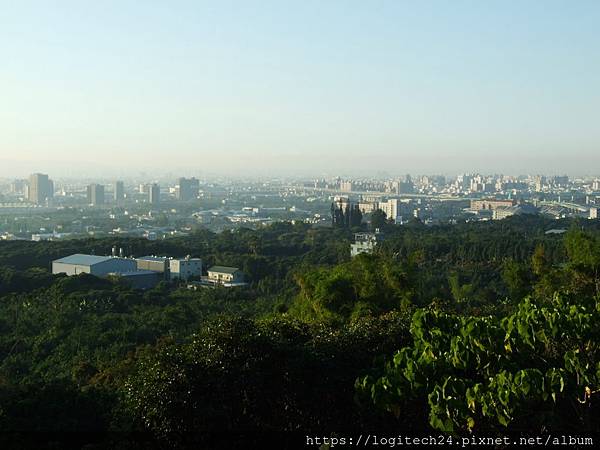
x=304, y=86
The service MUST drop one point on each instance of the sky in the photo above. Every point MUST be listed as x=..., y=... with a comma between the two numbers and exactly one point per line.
x=299, y=87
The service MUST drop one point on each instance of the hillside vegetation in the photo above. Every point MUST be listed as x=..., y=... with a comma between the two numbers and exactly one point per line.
x=485, y=327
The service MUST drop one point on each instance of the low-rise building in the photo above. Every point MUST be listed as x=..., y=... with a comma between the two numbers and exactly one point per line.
x=365, y=242
x=225, y=275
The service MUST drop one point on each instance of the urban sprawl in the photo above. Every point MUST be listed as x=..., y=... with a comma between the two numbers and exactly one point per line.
x=40, y=208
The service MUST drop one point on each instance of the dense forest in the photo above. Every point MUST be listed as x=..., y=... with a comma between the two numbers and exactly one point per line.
x=488, y=327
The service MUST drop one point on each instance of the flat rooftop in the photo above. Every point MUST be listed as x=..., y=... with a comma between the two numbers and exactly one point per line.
x=80, y=259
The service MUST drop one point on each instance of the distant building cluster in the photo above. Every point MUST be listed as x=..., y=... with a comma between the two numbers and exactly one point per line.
x=46, y=209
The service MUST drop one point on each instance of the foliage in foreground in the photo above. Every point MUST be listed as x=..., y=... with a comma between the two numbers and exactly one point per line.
x=271, y=375
x=536, y=369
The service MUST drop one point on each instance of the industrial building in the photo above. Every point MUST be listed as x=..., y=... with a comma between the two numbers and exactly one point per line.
x=99, y=266
x=141, y=273
x=159, y=264
x=172, y=268
x=139, y=279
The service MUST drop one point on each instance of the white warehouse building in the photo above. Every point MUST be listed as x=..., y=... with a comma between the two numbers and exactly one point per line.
x=99, y=266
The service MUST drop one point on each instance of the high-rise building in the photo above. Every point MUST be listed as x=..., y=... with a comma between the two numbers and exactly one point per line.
x=18, y=187
x=390, y=208
x=540, y=182
x=406, y=187
x=464, y=182
x=41, y=188
x=154, y=194
x=119, y=191
x=188, y=189
x=346, y=186
x=95, y=194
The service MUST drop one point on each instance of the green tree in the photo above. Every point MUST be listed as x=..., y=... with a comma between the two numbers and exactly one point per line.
x=378, y=220
x=536, y=369
x=516, y=277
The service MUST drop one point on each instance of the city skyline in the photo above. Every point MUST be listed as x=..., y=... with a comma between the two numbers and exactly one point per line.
x=166, y=208
x=299, y=88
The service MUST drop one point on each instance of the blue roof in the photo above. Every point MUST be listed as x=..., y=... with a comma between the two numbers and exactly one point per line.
x=82, y=260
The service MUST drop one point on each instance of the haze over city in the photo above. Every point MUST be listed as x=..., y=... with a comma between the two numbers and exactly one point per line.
x=299, y=88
